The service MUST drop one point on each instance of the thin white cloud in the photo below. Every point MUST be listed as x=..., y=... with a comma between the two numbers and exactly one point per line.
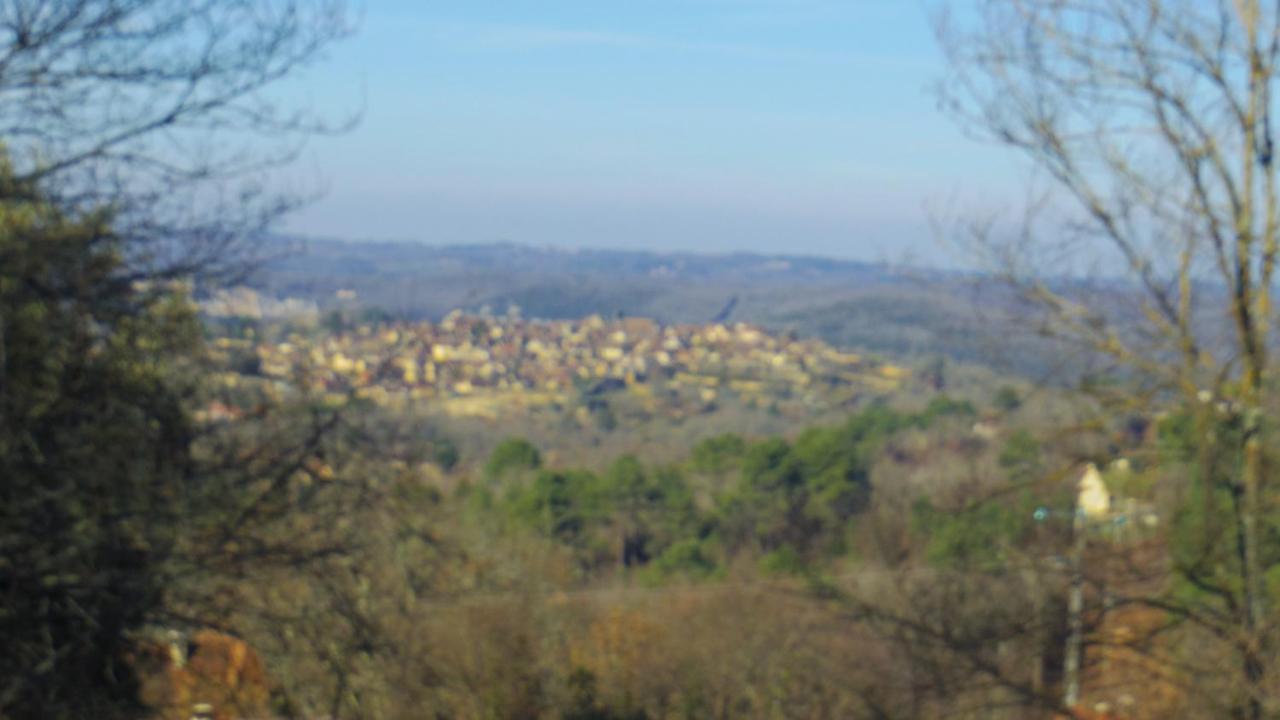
x=522, y=38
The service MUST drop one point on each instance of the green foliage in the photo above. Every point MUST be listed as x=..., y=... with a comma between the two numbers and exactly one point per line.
x=1021, y=456
x=835, y=462
x=973, y=538
x=1176, y=436
x=803, y=497
x=1007, y=398
x=1204, y=543
x=562, y=504
x=792, y=503
x=690, y=557
x=944, y=406
x=626, y=479
x=478, y=501
x=630, y=513
x=1206, y=532
x=767, y=507
x=771, y=467
x=512, y=455
x=94, y=448
x=783, y=561
x=1127, y=482
x=718, y=455
x=650, y=509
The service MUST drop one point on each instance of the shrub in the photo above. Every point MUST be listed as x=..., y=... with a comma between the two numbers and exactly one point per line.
x=511, y=455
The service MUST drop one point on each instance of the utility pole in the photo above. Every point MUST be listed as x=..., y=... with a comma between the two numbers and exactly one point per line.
x=1073, y=655
x=1075, y=615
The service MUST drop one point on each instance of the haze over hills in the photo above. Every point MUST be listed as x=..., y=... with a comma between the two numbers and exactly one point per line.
x=870, y=306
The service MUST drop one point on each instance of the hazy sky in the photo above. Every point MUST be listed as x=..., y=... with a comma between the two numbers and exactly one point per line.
x=769, y=125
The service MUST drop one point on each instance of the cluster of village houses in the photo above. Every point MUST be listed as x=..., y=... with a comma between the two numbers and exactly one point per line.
x=467, y=357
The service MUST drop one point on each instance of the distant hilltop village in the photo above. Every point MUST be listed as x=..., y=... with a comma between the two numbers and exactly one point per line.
x=485, y=365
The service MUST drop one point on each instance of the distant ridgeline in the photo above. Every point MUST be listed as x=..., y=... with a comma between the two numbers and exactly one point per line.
x=899, y=311
x=486, y=366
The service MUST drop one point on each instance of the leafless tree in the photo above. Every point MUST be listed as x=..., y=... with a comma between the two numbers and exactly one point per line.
x=169, y=112
x=1156, y=247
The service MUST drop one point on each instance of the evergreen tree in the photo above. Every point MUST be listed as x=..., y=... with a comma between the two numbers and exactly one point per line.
x=94, y=450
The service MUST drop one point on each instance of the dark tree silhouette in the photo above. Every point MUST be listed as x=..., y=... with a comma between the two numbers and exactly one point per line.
x=139, y=139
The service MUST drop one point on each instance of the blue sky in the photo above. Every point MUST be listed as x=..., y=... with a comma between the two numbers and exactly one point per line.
x=802, y=126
